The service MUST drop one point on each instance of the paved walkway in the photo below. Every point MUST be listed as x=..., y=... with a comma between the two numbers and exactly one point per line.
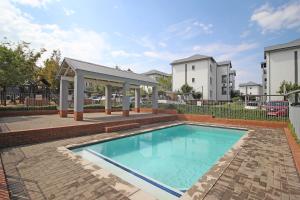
x=46, y=121
x=263, y=169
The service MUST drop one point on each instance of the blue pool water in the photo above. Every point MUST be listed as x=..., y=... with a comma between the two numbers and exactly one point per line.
x=176, y=156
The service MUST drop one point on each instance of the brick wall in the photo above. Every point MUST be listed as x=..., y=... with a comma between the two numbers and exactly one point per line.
x=47, y=134
x=4, y=194
x=48, y=112
x=239, y=122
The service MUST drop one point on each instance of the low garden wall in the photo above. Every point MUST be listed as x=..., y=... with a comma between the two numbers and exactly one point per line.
x=295, y=119
x=16, y=138
x=47, y=111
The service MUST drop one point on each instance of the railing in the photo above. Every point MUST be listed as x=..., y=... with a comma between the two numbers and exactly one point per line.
x=250, y=108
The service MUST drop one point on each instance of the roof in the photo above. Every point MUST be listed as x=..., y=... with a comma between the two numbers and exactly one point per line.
x=250, y=83
x=225, y=62
x=290, y=44
x=192, y=58
x=232, y=71
x=103, y=70
x=156, y=72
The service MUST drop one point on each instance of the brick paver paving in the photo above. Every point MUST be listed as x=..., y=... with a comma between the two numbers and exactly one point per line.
x=263, y=169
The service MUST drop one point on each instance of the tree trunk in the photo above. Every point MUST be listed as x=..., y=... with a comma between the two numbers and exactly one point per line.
x=4, y=94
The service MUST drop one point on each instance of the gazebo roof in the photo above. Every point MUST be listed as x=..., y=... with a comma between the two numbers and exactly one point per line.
x=95, y=71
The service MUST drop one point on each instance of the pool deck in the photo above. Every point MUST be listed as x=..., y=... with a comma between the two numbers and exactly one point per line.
x=262, y=169
x=20, y=123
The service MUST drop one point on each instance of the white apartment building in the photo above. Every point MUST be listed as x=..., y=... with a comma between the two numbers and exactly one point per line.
x=282, y=64
x=155, y=74
x=204, y=74
x=250, y=88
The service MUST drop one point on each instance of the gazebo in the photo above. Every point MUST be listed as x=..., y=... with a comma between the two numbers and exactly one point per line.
x=77, y=71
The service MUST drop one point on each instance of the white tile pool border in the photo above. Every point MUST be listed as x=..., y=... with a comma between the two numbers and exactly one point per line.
x=197, y=191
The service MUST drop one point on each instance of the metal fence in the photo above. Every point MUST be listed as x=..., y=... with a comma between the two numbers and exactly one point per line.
x=272, y=107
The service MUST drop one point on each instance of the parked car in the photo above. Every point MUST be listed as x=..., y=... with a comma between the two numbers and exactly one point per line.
x=277, y=108
x=252, y=105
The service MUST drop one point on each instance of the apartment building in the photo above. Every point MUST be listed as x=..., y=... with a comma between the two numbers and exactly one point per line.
x=264, y=77
x=214, y=79
x=281, y=64
x=250, y=88
x=155, y=74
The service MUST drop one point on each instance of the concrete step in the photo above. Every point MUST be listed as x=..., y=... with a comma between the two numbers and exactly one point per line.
x=121, y=127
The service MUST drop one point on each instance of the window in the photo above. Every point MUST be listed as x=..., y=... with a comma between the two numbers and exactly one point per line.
x=210, y=94
x=193, y=80
x=250, y=88
x=210, y=67
x=265, y=79
x=224, y=91
x=193, y=67
x=210, y=80
x=265, y=71
x=224, y=78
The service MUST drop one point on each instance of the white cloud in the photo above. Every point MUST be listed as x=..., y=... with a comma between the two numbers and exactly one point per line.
x=34, y=3
x=68, y=12
x=146, y=42
x=162, y=44
x=190, y=28
x=75, y=42
x=245, y=33
x=122, y=53
x=272, y=19
x=224, y=51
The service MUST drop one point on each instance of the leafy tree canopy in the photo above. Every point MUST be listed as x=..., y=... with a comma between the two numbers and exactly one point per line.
x=288, y=87
x=164, y=83
x=51, y=66
x=17, y=63
x=185, y=89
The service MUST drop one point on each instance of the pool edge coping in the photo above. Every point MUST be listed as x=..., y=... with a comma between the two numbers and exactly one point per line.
x=199, y=190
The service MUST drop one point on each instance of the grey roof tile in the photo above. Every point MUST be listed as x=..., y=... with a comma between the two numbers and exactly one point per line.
x=86, y=66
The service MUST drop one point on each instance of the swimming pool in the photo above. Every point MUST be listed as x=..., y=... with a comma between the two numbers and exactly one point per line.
x=169, y=158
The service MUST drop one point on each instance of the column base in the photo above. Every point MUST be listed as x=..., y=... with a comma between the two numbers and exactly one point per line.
x=78, y=116
x=63, y=113
x=154, y=110
x=137, y=110
x=108, y=111
x=125, y=113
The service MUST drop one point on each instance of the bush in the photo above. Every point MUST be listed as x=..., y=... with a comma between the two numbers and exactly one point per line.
x=24, y=108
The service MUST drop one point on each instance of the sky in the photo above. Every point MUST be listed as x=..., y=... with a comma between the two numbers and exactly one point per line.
x=150, y=34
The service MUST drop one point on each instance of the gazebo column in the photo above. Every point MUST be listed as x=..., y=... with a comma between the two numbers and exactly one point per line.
x=108, y=99
x=78, y=96
x=125, y=100
x=63, y=97
x=154, y=100
x=137, y=98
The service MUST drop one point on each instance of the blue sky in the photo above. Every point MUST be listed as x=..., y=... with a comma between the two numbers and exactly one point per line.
x=144, y=35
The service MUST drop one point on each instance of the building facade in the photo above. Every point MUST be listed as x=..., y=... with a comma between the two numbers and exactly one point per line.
x=250, y=88
x=214, y=80
x=156, y=75
x=282, y=64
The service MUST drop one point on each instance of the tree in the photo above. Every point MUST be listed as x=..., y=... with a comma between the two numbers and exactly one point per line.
x=17, y=64
x=197, y=95
x=286, y=87
x=185, y=89
x=164, y=83
x=51, y=66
